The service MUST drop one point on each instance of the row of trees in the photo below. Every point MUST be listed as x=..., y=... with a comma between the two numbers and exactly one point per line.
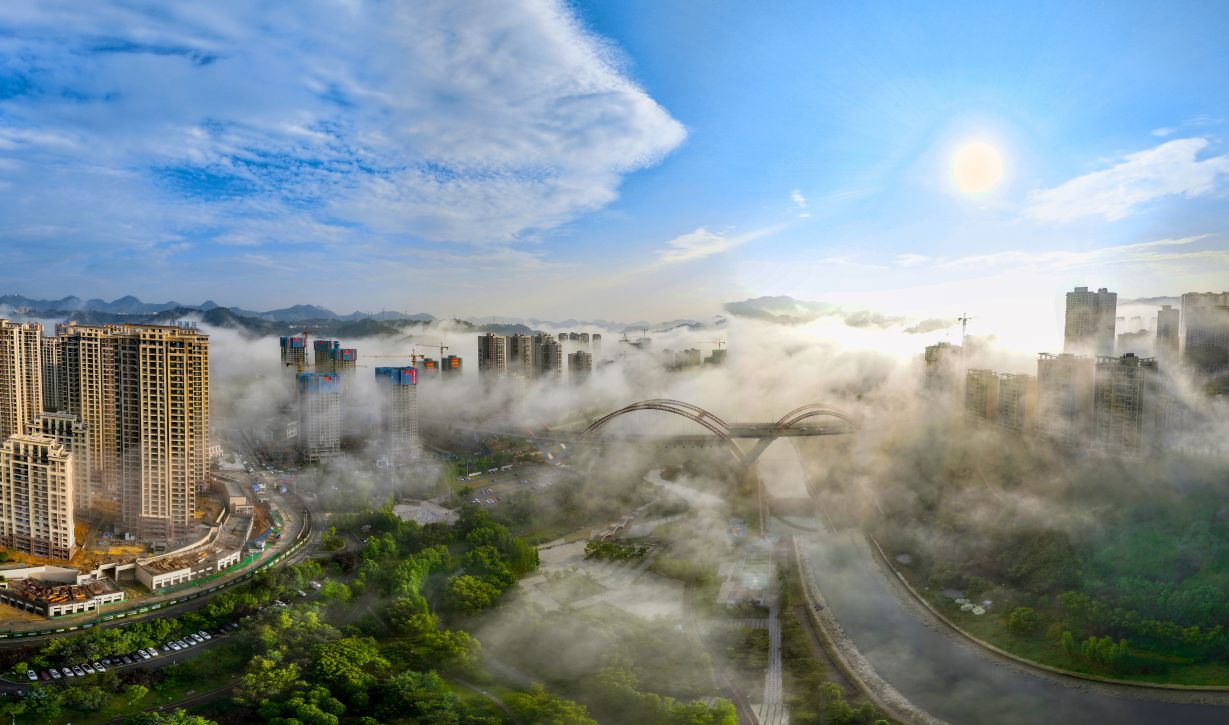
x=614, y=550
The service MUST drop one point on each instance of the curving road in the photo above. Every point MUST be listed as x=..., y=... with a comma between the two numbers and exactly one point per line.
x=945, y=674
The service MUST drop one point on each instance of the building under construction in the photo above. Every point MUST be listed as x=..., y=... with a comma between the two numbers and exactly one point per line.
x=399, y=412
x=319, y=428
x=1065, y=397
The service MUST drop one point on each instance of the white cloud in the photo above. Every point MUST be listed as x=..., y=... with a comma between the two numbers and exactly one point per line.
x=1167, y=170
x=391, y=121
x=800, y=201
x=702, y=243
x=1163, y=131
x=911, y=260
x=1139, y=252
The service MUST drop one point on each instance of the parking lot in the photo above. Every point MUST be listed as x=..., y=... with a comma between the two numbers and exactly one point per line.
x=492, y=487
x=167, y=653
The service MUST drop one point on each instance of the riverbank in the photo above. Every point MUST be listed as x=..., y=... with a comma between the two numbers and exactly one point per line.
x=849, y=660
x=1218, y=695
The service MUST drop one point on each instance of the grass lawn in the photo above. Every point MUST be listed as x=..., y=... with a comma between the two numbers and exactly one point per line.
x=992, y=627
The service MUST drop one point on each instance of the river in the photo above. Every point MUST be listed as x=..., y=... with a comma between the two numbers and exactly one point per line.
x=938, y=671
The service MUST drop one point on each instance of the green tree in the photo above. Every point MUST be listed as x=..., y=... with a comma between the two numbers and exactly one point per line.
x=469, y=594
x=1024, y=620
x=264, y=678
x=350, y=666
x=418, y=697
x=178, y=717
x=335, y=591
x=542, y=708
x=86, y=698
x=134, y=693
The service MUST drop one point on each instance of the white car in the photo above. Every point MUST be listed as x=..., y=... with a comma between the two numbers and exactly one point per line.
x=56, y=673
x=98, y=666
x=88, y=668
x=68, y=672
x=175, y=646
x=152, y=652
x=31, y=675
x=198, y=638
x=204, y=634
x=143, y=653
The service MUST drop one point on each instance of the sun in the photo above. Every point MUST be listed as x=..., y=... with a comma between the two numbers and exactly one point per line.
x=977, y=167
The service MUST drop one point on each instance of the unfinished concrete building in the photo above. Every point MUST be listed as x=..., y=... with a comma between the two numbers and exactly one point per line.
x=1017, y=406
x=399, y=412
x=981, y=393
x=1065, y=397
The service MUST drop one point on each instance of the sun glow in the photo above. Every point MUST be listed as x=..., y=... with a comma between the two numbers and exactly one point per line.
x=977, y=167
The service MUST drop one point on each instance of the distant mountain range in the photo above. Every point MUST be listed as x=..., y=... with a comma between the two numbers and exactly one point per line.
x=319, y=321
x=129, y=305
x=312, y=318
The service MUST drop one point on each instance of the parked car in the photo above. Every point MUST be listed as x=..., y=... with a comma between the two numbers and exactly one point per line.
x=204, y=634
x=175, y=646
x=45, y=676
x=152, y=652
x=98, y=666
x=144, y=655
x=68, y=672
x=78, y=671
x=127, y=660
x=89, y=669
x=56, y=673
x=316, y=585
x=32, y=675
x=198, y=638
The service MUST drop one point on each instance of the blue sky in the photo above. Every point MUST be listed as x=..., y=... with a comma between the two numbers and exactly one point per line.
x=638, y=159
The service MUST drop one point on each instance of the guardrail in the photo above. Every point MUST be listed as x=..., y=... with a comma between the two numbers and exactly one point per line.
x=303, y=537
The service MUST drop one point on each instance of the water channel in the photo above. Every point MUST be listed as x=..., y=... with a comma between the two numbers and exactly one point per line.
x=938, y=671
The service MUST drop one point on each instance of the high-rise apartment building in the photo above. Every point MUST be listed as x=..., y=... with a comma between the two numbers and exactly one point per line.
x=492, y=355
x=322, y=355
x=1065, y=397
x=942, y=366
x=547, y=359
x=294, y=351
x=1205, y=331
x=1090, y=322
x=520, y=355
x=55, y=382
x=1129, y=408
x=21, y=376
x=142, y=391
x=344, y=361
x=450, y=366
x=399, y=412
x=319, y=416
x=71, y=433
x=981, y=393
x=36, y=496
x=1168, y=333
x=1017, y=406
x=580, y=366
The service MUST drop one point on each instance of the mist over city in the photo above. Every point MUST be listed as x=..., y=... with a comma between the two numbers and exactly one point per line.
x=639, y=363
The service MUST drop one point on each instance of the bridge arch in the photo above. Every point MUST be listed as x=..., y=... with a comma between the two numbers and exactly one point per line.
x=813, y=410
x=694, y=413
x=719, y=427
